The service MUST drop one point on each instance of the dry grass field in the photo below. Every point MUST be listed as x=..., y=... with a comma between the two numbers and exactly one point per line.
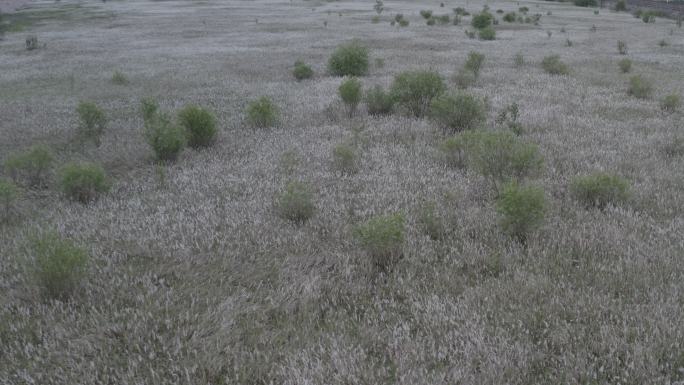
x=193, y=277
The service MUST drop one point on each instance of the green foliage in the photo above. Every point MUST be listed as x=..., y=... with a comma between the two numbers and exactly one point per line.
x=521, y=209
x=426, y=14
x=670, y=103
x=302, y=70
x=457, y=111
x=554, y=66
x=620, y=6
x=523, y=10
x=31, y=167
x=464, y=79
x=83, y=182
x=379, y=102
x=379, y=6
x=509, y=17
x=474, y=62
x=648, y=17
x=625, y=65
x=119, y=78
x=350, y=92
x=430, y=222
x=345, y=160
x=262, y=113
x=398, y=17
x=487, y=33
x=295, y=203
x=622, y=47
x=639, y=87
x=349, y=59
x=166, y=139
x=430, y=21
x=600, y=189
x=482, y=20
x=60, y=265
x=92, y=121
x=442, y=19
x=375, y=19
x=8, y=195
x=383, y=239
x=452, y=152
x=403, y=23
x=509, y=117
x=414, y=90
x=585, y=3
x=149, y=109
x=460, y=11
x=199, y=125
x=501, y=156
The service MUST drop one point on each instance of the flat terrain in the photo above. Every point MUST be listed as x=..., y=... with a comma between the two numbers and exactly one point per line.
x=194, y=279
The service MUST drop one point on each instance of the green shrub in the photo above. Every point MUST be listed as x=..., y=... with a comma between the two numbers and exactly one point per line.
x=648, y=17
x=523, y=10
x=345, y=160
x=83, y=182
x=295, y=203
x=509, y=17
x=430, y=222
x=379, y=102
x=457, y=112
x=414, y=90
x=60, y=265
x=92, y=121
x=32, y=167
x=426, y=14
x=460, y=11
x=349, y=59
x=262, y=113
x=8, y=195
x=383, y=239
x=166, y=139
x=522, y=210
x=398, y=17
x=622, y=47
x=554, y=66
x=509, y=117
x=482, y=20
x=430, y=21
x=625, y=65
x=350, y=92
x=149, y=109
x=199, y=125
x=600, y=189
x=639, y=87
x=501, y=156
x=442, y=19
x=620, y=5
x=670, y=103
x=487, y=34
x=464, y=79
x=452, y=152
x=585, y=3
x=119, y=78
x=302, y=70
x=403, y=23
x=474, y=62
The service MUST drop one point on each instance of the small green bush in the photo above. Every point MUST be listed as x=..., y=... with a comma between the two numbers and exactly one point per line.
x=430, y=21
x=349, y=59
x=119, y=78
x=302, y=70
x=350, y=92
x=522, y=210
x=199, y=125
x=622, y=47
x=149, y=109
x=379, y=102
x=32, y=167
x=600, y=189
x=464, y=79
x=403, y=23
x=262, y=113
x=83, y=182
x=648, y=17
x=383, y=239
x=166, y=139
x=625, y=65
x=585, y=3
x=442, y=19
x=474, y=62
x=60, y=265
x=457, y=112
x=554, y=66
x=345, y=160
x=509, y=17
x=487, y=34
x=639, y=87
x=670, y=103
x=452, y=152
x=92, y=121
x=295, y=203
x=460, y=11
x=620, y=6
x=426, y=14
x=482, y=20
x=430, y=222
x=501, y=156
x=398, y=17
x=8, y=195
x=414, y=90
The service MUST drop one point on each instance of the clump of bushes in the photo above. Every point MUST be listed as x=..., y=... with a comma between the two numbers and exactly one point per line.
x=350, y=92
x=295, y=203
x=199, y=124
x=383, y=239
x=430, y=221
x=452, y=152
x=600, y=189
x=482, y=20
x=119, y=78
x=8, y=195
x=349, y=59
x=379, y=102
x=639, y=87
x=60, y=265
x=166, y=139
x=91, y=121
x=415, y=90
x=522, y=210
x=426, y=14
x=625, y=65
x=31, y=167
x=83, y=182
x=622, y=47
x=262, y=113
x=554, y=66
x=670, y=103
x=302, y=71
x=487, y=34
x=345, y=159
x=457, y=112
x=474, y=62
x=403, y=23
